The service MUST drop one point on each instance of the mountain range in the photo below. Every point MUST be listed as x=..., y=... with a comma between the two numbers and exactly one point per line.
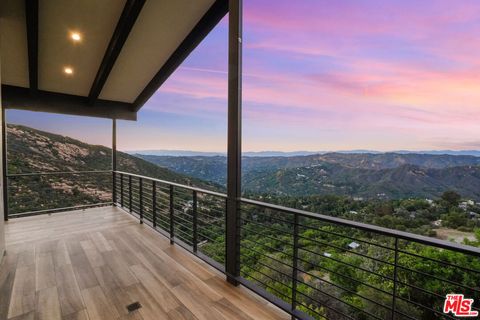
x=368, y=175
x=189, y=153
x=362, y=174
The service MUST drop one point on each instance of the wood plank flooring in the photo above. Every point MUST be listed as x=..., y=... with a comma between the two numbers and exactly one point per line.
x=91, y=264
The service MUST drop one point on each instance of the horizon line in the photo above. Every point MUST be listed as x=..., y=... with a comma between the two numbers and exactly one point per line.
x=307, y=151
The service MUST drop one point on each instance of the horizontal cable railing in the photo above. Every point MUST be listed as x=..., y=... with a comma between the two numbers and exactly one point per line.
x=308, y=264
x=191, y=217
x=46, y=192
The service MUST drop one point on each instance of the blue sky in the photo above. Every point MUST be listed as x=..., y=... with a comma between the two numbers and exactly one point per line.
x=319, y=75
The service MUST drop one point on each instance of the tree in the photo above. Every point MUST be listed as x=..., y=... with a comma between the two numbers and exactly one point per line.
x=451, y=197
x=454, y=220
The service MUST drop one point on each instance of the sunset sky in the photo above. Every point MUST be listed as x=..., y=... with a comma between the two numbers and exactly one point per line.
x=319, y=75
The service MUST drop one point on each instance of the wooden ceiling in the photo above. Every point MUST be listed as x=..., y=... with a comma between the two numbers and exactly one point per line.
x=127, y=49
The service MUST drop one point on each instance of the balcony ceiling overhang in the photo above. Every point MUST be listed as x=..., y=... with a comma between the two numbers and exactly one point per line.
x=127, y=49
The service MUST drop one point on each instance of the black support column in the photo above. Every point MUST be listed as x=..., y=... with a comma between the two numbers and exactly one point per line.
x=114, y=160
x=4, y=183
x=234, y=152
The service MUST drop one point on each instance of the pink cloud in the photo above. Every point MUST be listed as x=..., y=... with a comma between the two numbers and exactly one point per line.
x=401, y=70
x=382, y=91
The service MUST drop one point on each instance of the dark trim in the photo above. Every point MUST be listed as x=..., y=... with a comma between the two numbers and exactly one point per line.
x=295, y=262
x=125, y=24
x=209, y=20
x=114, y=160
x=44, y=101
x=195, y=222
x=31, y=18
x=4, y=183
x=234, y=151
x=171, y=189
x=154, y=204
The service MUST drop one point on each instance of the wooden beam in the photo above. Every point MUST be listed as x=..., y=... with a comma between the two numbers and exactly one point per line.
x=31, y=17
x=125, y=24
x=44, y=101
x=209, y=20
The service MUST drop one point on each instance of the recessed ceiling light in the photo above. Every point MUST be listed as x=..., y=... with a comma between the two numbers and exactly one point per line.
x=68, y=70
x=75, y=36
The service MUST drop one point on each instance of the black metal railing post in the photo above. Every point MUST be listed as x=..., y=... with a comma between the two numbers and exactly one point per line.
x=295, y=264
x=154, y=204
x=130, y=193
x=121, y=190
x=114, y=162
x=4, y=165
x=195, y=222
x=172, y=222
x=140, y=195
x=234, y=150
x=395, y=279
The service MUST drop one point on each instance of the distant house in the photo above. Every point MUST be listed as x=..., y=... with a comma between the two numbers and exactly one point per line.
x=353, y=245
x=473, y=215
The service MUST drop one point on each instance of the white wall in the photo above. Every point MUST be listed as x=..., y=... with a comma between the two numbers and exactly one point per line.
x=2, y=185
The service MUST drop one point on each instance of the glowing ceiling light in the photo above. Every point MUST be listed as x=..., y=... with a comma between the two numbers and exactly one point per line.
x=68, y=70
x=75, y=36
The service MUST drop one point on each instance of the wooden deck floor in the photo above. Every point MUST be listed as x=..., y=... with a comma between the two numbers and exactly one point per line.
x=91, y=264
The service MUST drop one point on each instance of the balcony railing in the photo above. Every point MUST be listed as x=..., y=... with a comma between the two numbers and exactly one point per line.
x=308, y=264
x=191, y=217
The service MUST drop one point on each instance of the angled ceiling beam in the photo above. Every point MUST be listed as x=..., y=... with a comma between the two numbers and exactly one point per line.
x=43, y=101
x=209, y=20
x=31, y=17
x=125, y=24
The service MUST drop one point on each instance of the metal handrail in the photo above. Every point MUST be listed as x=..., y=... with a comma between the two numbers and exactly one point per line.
x=175, y=184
